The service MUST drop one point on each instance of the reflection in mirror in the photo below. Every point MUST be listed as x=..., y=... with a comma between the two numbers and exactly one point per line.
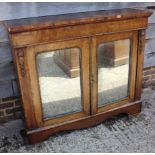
x=59, y=81
x=113, y=70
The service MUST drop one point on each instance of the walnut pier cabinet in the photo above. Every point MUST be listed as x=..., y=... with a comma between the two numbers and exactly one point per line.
x=77, y=70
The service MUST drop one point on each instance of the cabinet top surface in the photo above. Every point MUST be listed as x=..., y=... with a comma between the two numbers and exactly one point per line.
x=53, y=21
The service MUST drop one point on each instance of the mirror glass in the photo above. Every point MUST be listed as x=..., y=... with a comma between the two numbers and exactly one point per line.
x=59, y=81
x=113, y=71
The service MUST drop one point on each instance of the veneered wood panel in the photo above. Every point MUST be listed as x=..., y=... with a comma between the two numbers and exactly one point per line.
x=32, y=24
x=65, y=33
x=140, y=62
x=25, y=89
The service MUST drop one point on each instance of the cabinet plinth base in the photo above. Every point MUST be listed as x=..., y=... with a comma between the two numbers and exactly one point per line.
x=40, y=134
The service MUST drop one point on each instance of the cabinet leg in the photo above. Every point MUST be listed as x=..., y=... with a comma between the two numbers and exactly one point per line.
x=135, y=109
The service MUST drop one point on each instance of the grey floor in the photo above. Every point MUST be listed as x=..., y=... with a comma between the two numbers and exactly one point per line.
x=120, y=134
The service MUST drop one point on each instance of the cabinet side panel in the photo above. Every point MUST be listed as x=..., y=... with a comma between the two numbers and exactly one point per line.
x=25, y=89
x=140, y=61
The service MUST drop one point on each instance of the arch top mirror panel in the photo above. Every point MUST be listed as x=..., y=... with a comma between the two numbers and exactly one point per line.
x=113, y=71
x=60, y=87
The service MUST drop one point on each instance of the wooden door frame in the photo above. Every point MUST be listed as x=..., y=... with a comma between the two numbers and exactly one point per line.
x=30, y=81
x=96, y=40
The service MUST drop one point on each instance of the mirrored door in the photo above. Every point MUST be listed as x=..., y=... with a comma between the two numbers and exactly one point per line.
x=61, y=80
x=114, y=62
x=60, y=90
